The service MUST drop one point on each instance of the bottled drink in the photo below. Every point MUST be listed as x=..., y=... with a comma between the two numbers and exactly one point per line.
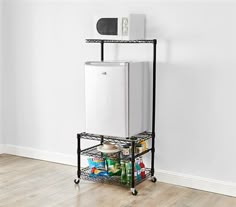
x=142, y=166
x=123, y=173
x=128, y=172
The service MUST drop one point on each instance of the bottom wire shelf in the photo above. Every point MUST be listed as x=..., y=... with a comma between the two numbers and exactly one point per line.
x=113, y=180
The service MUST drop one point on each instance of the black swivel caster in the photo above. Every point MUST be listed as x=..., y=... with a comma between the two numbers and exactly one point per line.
x=153, y=179
x=76, y=181
x=134, y=191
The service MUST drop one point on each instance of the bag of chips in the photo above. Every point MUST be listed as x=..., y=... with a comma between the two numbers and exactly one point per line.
x=98, y=163
x=97, y=167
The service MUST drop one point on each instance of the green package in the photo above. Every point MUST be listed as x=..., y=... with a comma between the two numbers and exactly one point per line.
x=113, y=166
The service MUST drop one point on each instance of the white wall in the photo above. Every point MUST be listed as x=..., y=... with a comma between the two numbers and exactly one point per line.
x=44, y=79
x=1, y=71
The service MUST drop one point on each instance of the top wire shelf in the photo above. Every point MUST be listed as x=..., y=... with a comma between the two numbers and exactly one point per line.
x=137, y=138
x=119, y=41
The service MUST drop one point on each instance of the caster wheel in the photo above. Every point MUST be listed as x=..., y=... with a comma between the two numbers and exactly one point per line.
x=134, y=192
x=154, y=179
x=76, y=181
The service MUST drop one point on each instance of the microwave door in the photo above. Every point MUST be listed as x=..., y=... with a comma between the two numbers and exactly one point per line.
x=107, y=99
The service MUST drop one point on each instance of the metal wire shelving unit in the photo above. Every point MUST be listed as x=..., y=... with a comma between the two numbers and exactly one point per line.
x=83, y=173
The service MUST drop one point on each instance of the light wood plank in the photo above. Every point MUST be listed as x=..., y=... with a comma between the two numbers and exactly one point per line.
x=27, y=182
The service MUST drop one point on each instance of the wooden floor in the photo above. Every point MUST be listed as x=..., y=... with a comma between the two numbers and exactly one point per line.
x=33, y=183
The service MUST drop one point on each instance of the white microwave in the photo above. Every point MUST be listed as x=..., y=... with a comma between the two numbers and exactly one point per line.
x=129, y=27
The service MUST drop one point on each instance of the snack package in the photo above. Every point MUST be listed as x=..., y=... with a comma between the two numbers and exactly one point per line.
x=95, y=172
x=97, y=167
x=98, y=163
x=113, y=166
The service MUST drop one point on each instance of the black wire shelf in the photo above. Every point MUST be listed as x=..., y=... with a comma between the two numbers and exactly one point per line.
x=114, y=180
x=119, y=41
x=117, y=140
x=93, y=152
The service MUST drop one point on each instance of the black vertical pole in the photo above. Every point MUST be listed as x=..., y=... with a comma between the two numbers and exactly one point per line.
x=132, y=164
x=101, y=142
x=153, y=106
x=78, y=159
x=102, y=59
x=102, y=50
x=102, y=139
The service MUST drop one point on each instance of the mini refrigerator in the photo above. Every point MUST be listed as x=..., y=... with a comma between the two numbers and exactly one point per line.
x=116, y=104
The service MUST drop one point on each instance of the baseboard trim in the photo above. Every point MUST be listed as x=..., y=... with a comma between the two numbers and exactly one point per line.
x=44, y=155
x=2, y=148
x=40, y=154
x=196, y=182
x=200, y=183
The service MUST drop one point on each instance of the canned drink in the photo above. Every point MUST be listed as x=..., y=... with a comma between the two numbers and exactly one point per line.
x=139, y=148
x=125, y=150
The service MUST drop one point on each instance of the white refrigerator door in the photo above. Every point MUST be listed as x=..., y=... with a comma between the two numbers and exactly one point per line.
x=106, y=92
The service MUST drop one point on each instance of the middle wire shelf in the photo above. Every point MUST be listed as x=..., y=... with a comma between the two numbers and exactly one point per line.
x=93, y=152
